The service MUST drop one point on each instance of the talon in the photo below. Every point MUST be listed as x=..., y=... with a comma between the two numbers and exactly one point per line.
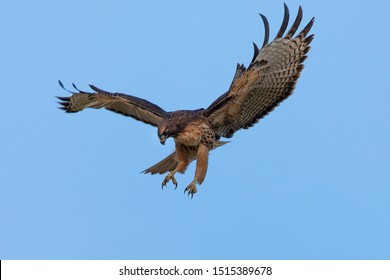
x=169, y=177
x=164, y=183
x=191, y=189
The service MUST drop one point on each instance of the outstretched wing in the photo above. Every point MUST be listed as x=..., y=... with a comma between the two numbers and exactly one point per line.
x=137, y=108
x=269, y=79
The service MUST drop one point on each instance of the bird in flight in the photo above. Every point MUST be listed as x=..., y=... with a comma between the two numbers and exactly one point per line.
x=254, y=92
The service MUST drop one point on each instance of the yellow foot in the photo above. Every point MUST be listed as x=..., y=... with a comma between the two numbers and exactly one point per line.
x=191, y=189
x=169, y=177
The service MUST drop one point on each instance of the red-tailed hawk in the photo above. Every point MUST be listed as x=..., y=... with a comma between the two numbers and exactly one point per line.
x=255, y=91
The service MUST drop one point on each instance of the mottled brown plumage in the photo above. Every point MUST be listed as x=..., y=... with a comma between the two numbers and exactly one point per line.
x=254, y=92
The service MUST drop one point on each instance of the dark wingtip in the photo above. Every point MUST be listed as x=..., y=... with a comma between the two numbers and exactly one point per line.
x=285, y=6
x=74, y=86
x=266, y=27
x=296, y=24
x=286, y=18
x=255, y=52
x=307, y=28
x=63, y=98
x=64, y=88
x=65, y=104
x=95, y=88
x=309, y=39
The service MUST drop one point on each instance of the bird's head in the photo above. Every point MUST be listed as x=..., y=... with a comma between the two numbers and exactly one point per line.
x=166, y=129
x=173, y=123
x=163, y=135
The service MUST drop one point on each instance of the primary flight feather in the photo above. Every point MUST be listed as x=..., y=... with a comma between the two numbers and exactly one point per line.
x=255, y=91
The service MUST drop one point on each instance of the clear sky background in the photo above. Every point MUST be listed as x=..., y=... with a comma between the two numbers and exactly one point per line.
x=310, y=181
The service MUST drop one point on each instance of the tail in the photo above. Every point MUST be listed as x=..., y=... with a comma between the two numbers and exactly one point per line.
x=167, y=164
x=170, y=162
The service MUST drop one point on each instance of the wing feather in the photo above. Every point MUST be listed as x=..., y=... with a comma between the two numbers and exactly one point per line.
x=286, y=18
x=131, y=106
x=266, y=30
x=269, y=79
x=295, y=25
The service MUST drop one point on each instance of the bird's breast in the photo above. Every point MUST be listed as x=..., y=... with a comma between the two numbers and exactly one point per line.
x=191, y=135
x=195, y=134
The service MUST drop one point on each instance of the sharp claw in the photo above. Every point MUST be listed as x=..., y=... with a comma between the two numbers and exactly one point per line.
x=169, y=177
x=191, y=189
x=164, y=183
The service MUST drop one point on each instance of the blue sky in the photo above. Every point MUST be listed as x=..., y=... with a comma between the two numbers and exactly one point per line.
x=310, y=181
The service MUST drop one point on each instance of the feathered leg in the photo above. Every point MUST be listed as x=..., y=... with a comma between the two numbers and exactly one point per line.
x=183, y=162
x=170, y=162
x=201, y=169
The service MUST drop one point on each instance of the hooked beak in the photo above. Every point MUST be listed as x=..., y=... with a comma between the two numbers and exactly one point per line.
x=162, y=139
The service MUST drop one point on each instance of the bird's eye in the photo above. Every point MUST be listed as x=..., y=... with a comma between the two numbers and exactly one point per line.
x=166, y=132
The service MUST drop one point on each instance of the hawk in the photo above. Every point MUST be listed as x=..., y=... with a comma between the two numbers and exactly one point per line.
x=254, y=92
